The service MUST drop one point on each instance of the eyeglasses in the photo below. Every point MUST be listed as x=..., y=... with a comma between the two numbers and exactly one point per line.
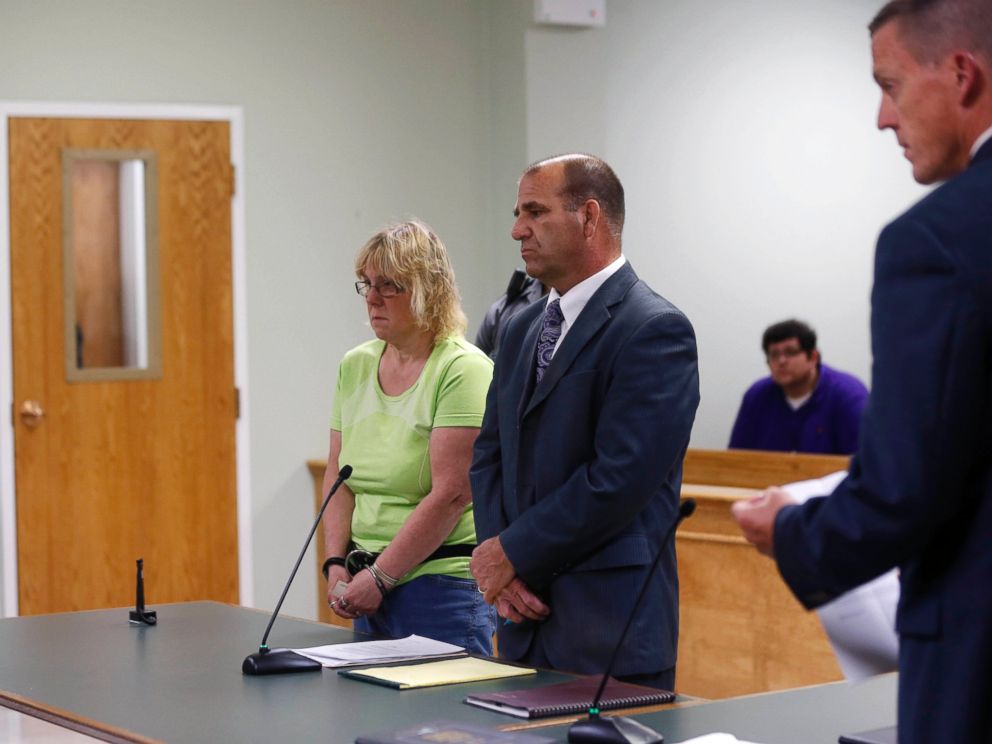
x=774, y=356
x=385, y=289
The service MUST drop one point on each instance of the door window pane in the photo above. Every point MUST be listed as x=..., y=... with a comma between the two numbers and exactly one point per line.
x=110, y=264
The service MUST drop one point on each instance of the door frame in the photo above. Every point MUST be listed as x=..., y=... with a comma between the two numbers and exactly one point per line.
x=8, y=494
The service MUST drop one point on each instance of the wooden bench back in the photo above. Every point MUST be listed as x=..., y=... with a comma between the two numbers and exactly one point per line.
x=756, y=469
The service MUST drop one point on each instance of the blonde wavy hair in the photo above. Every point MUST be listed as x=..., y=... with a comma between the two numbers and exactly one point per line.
x=413, y=256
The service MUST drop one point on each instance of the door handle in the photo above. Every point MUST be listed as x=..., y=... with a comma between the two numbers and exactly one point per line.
x=31, y=413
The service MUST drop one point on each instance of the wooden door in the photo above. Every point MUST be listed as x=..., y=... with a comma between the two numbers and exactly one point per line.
x=120, y=469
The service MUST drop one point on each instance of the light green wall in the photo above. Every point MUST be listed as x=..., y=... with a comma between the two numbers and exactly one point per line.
x=756, y=181
x=357, y=113
x=743, y=132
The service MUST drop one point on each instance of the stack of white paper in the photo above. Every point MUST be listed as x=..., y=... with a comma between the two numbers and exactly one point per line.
x=410, y=648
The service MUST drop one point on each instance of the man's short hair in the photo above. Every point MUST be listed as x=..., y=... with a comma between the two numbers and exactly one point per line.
x=588, y=177
x=932, y=29
x=787, y=329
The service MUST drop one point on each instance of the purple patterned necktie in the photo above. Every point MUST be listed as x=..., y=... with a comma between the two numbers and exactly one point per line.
x=550, y=331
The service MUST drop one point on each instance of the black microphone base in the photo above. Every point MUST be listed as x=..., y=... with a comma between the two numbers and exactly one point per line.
x=613, y=729
x=278, y=661
x=148, y=617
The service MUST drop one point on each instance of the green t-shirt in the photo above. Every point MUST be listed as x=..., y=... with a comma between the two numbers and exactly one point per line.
x=386, y=439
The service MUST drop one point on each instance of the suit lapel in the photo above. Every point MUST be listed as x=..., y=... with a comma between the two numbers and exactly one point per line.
x=594, y=315
x=529, y=367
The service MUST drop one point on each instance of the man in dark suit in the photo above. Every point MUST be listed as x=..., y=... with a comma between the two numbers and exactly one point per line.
x=577, y=468
x=919, y=494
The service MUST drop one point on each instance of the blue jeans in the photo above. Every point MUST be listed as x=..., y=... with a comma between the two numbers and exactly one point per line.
x=436, y=606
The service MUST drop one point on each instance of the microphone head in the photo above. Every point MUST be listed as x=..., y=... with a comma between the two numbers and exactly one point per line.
x=687, y=507
x=345, y=473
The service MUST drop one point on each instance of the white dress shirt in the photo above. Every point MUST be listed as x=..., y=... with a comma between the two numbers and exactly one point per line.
x=575, y=299
x=982, y=139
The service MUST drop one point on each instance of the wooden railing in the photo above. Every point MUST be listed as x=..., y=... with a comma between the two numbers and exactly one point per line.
x=741, y=631
x=324, y=614
x=754, y=468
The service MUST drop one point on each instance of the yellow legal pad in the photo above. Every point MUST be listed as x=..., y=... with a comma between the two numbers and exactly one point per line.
x=434, y=673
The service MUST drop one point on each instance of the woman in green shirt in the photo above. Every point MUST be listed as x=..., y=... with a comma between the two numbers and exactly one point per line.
x=406, y=412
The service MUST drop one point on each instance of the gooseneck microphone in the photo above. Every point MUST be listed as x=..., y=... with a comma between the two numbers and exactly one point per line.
x=616, y=728
x=283, y=660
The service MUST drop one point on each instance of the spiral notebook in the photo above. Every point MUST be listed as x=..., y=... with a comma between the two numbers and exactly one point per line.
x=569, y=698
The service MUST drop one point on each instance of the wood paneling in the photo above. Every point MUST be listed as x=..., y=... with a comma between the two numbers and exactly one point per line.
x=324, y=614
x=119, y=470
x=741, y=631
x=756, y=469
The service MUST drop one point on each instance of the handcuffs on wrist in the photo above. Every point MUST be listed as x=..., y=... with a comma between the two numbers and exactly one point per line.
x=361, y=560
x=357, y=560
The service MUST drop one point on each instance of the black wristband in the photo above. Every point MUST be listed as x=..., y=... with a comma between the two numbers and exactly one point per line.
x=332, y=561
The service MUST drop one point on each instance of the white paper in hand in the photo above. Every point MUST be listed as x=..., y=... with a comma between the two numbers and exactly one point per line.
x=861, y=623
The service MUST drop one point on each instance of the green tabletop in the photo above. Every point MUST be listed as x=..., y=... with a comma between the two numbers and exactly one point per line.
x=807, y=715
x=181, y=681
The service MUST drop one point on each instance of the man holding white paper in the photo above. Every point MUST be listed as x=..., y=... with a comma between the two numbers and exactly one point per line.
x=919, y=493
x=860, y=623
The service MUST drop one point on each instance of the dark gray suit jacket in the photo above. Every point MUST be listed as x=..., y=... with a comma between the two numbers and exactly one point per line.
x=919, y=494
x=580, y=476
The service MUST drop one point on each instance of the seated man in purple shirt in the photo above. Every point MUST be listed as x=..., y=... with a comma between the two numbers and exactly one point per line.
x=804, y=406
